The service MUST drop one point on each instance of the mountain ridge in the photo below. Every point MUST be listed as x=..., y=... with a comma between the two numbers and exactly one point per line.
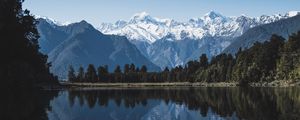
x=212, y=23
x=85, y=45
x=160, y=39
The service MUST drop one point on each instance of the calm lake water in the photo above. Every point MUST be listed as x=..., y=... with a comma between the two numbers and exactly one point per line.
x=160, y=104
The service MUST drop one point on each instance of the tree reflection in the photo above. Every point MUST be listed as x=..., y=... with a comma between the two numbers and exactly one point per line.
x=246, y=103
x=26, y=105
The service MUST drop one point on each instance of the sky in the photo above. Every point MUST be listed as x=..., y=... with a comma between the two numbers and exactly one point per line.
x=99, y=11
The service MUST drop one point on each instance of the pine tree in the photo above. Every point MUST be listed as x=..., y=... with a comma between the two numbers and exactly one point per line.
x=137, y=69
x=71, y=74
x=132, y=68
x=118, y=69
x=144, y=69
x=166, y=69
x=203, y=61
x=91, y=74
x=126, y=69
x=80, y=75
x=103, y=73
x=118, y=74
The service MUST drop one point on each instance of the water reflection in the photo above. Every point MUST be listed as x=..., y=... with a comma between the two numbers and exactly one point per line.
x=178, y=103
x=25, y=104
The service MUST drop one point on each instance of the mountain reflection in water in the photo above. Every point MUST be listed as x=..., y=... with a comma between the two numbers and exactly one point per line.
x=177, y=103
x=153, y=104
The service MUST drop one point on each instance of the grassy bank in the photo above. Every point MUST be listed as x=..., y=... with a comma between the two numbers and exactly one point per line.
x=220, y=84
x=276, y=83
x=183, y=84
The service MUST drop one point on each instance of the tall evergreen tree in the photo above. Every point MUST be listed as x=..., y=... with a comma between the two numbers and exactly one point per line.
x=118, y=74
x=144, y=69
x=118, y=69
x=80, y=75
x=103, y=73
x=22, y=65
x=132, y=67
x=203, y=61
x=137, y=69
x=126, y=68
x=166, y=69
x=71, y=74
x=91, y=74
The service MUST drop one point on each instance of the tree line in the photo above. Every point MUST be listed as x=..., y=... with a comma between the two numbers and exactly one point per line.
x=276, y=59
x=22, y=65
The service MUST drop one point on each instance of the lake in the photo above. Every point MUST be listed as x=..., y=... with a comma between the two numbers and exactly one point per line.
x=174, y=103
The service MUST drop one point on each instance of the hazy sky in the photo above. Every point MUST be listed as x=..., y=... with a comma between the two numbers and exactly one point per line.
x=98, y=11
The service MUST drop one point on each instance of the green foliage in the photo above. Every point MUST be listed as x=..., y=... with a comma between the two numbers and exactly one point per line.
x=268, y=61
x=203, y=61
x=218, y=70
x=22, y=65
x=289, y=62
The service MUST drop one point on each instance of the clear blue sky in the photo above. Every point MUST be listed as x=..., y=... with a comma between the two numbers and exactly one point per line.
x=98, y=11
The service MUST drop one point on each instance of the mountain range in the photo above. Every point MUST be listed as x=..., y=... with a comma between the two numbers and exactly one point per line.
x=262, y=33
x=156, y=42
x=80, y=44
x=169, y=43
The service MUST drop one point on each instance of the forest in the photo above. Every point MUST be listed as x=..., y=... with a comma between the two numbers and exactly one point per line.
x=24, y=70
x=276, y=59
x=22, y=65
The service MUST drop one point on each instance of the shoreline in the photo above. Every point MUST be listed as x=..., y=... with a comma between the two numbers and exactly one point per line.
x=165, y=84
x=181, y=84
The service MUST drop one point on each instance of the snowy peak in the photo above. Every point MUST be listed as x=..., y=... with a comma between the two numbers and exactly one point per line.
x=214, y=18
x=145, y=18
x=292, y=13
x=214, y=15
x=52, y=21
x=141, y=17
x=143, y=27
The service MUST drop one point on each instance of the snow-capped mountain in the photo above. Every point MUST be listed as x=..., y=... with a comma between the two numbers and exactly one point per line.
x=164, y=41
x=80, y=44
x=144, y=27
x=52, y=21
x=262, y=33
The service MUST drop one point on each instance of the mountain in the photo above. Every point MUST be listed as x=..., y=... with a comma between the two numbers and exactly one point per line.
x=144, y=27
x=169, y=43
x=80, y=44
x=263, y=33
x=50, y=36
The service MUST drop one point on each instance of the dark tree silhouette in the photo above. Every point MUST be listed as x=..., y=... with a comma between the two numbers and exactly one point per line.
x=22, y=65
x=143, y=69
x=126, y=68
x=71, y=74
x=91, y=74
x=80, y=75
